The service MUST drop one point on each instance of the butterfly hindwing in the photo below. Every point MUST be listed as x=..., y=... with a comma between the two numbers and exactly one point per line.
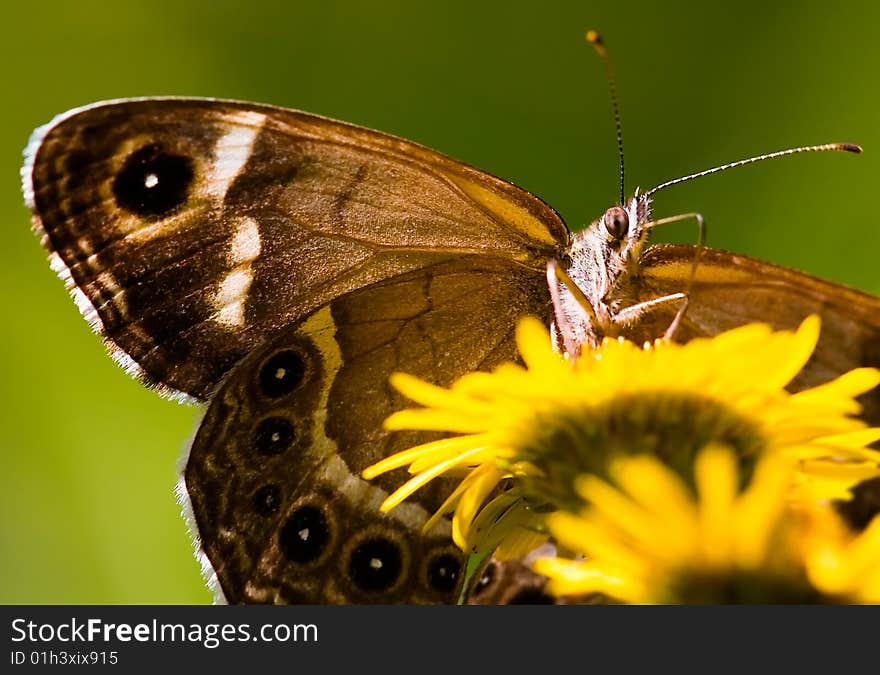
x=274, y=471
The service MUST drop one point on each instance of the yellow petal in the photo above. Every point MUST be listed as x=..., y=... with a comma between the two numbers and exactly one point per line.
x=715, y=474
x=519, y=543
x=433, y=450
x=485, y=480
x=617, y=509
x=419, y=480
x=571, y=577
x=598, y=541
x=655, y=488
x=848, y=385
x=435, y=419
x=535, y=348
x=758, y=511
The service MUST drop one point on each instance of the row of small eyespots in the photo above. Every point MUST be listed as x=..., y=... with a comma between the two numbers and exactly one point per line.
x=374, y=564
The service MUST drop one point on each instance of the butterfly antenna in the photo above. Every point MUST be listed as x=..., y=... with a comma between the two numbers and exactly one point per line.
x=828, y=147
x=599, y=45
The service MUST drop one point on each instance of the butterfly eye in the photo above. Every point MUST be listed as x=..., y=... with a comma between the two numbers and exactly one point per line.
x=616, y=222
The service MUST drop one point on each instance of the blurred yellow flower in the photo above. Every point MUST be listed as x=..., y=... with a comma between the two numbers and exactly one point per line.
x=651, y=540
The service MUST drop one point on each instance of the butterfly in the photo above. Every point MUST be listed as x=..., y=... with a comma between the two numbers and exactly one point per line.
x=278, y=266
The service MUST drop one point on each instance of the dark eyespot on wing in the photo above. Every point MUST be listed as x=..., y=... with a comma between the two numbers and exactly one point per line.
x=443, y=572
x=282, y=373
x=485, y=579
x=274, y=435
x=511, y=582
x=267, y=500
x=153, y=183
x=305, y=535
x=376, y=564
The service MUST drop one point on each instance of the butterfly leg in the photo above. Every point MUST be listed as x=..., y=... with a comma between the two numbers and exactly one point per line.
x=567, y=326
x=669, y=333
x=701, y=243
x=698, y=253
x=633, y=312
x=701, y=224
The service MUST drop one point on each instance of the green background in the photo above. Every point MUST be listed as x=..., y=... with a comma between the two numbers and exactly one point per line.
x=87, y=463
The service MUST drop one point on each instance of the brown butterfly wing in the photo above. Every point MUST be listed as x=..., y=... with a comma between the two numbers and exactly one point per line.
x=273, y=474
x=189, y=231
x=319, y=257
x=510, y=582
x=730, y=290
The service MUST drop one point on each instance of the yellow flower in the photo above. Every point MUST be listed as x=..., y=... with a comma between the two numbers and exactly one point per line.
x=544, y=423
x=650, y=541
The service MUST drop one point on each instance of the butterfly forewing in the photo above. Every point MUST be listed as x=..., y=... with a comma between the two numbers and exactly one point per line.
x=191, y=230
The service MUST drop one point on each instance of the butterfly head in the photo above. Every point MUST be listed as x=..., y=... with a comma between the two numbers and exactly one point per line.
x=598, y=262
x=623, y=227
x=610, y=247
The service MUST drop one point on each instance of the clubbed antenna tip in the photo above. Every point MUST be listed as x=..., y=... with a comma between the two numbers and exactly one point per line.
x=825, y=147
x=599, y=45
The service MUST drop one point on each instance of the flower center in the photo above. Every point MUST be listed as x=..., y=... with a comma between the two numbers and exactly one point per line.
x=742, y=587
x=671, y=426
